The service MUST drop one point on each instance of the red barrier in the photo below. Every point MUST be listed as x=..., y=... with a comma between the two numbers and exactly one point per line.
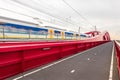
x=117, y=47
x=17, y=58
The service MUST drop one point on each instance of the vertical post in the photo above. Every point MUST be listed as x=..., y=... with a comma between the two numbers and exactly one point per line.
x=76, y=48
x=79, y=32
x=3, y=32
x=29, y=33
x=95, y=28
x=46, y=35
x=65, y=36
x=22, y=66
x=57, y=36
x=60, y=52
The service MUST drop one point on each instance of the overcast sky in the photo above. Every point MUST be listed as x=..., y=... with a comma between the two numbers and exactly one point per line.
x=105, y=14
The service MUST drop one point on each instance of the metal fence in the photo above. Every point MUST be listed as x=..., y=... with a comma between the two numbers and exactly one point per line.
x=14, y=33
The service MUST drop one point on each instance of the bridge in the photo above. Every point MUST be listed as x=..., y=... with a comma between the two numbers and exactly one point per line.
x=97, y=58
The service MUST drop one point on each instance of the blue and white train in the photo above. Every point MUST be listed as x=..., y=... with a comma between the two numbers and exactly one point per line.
x=17, y=31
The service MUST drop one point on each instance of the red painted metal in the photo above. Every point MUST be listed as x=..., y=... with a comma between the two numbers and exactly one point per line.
x=93, y=33
x=99, y=37
x=117, y=47
x=18, y=58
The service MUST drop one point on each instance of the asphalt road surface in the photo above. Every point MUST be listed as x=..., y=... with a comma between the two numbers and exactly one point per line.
x=93, y=64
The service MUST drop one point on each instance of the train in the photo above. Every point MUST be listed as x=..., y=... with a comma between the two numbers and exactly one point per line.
x=10, y=30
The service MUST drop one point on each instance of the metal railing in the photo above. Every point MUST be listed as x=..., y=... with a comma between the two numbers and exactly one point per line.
x=7, y=33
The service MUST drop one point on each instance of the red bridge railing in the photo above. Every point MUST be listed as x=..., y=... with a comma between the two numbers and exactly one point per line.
x=18, y=57
x=117, y=47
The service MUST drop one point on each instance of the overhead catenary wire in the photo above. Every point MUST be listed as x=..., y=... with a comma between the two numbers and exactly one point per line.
x=49, y=14
x=32, y=16
x=78, y=13
x=38, y=11
x=59, y=18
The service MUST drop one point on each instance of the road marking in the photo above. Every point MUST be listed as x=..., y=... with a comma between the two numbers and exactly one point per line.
x=72, y=71
x=88, y=59
x=95, y=54
x=53, y=64
x=111, y=65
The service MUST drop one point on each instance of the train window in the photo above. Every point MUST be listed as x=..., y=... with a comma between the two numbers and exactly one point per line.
x=43, y=32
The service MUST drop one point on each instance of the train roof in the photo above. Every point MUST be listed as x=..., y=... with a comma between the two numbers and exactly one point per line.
x=23, y=27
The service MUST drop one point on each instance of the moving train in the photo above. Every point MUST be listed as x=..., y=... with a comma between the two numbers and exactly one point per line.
x=11, y=30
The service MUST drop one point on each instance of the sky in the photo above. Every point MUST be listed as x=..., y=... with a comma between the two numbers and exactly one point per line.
x=104, y=14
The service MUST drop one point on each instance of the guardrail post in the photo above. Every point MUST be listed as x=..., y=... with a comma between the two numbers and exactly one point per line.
x=22, y=61
x=46, y=35
x=29, y=33
x=76, y=48
x=3, y=32
x=60, y=51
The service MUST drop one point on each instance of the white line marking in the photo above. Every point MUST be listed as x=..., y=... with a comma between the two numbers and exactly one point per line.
x=111, y=65
x=72, y=71
x=51, y=64
x=95, y=54
x=88, y=59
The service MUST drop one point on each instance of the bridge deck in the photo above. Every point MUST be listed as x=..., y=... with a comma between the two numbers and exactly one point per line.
x=93, y=64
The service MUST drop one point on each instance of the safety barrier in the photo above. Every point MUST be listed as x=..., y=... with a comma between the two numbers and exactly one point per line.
x=117, y=47
x=18, y=57
x=17, y=31
x=10, y=32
